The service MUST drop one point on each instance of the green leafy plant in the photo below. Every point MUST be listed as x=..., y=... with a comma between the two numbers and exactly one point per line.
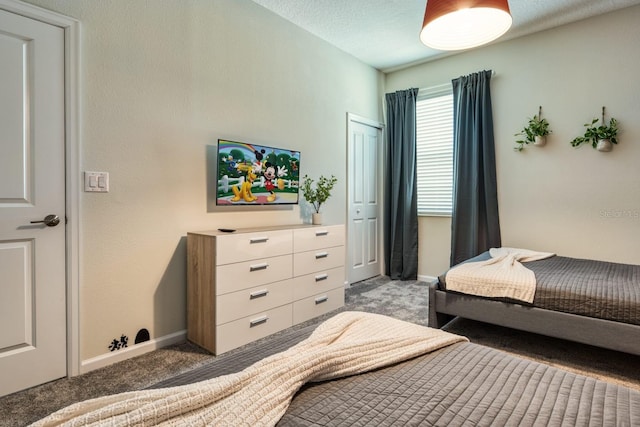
x=322, y=191
x=595, y=133
x=537, y=126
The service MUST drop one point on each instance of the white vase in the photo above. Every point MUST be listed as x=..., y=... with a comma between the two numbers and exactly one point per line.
x=316, y=219
x=604, y=145
x=539, y=140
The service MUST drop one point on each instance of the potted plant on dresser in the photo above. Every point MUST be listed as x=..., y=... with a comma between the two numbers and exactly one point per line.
x=318, y=195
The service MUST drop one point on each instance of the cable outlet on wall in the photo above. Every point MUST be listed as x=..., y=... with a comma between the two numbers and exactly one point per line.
x=96, y=182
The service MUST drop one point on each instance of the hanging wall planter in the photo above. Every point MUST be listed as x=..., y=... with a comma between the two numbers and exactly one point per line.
x=604, y=145
x=534, y=133
x=600, y=137
x=540, y=140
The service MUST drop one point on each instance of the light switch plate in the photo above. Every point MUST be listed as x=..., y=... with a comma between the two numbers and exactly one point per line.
x=96, y=182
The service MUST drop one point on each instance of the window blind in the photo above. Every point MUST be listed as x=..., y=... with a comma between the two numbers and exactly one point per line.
x=434, y=150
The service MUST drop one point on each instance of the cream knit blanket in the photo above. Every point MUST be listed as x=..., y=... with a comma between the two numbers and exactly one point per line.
x=347, y=344
x=500, y=276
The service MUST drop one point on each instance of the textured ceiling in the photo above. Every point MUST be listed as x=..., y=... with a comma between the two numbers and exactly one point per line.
x=384, y=33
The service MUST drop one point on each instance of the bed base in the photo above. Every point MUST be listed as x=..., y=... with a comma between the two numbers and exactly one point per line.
x=444, y=306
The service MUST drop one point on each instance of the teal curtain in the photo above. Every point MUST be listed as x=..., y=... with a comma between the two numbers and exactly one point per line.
x=475, y=225
x=401, y=193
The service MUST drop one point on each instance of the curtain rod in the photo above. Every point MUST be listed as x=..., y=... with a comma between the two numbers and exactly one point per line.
x=442, y=85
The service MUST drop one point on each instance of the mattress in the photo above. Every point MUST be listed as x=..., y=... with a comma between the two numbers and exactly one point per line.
x=598, y=289
x=463, y=384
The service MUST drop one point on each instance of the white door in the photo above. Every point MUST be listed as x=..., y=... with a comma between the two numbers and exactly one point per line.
x=364, y=204
x=32, y=186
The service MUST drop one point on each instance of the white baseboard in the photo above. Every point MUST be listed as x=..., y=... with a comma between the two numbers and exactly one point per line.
x=428, y=279
x=133, y=351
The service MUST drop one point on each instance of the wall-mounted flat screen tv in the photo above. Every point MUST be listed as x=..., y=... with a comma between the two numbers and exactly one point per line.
x=250, y=174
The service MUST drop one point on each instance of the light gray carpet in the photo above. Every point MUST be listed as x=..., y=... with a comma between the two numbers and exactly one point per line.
x=406, y=300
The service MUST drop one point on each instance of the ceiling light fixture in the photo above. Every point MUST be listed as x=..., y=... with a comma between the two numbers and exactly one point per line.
x=463, y=24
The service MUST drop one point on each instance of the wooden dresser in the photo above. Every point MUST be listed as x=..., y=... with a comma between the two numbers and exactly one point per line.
x=253, y=282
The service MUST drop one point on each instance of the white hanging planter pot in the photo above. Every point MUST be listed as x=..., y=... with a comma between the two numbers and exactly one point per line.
x=316, y=219
x=540, y=140
x=604, y=145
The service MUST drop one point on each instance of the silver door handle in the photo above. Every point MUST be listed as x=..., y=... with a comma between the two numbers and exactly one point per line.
x=49, y=221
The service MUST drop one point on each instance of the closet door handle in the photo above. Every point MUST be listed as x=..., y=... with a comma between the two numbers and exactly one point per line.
x=257, y=267
x=258, y=321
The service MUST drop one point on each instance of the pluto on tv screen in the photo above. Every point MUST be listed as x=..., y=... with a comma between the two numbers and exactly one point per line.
x=251, y=174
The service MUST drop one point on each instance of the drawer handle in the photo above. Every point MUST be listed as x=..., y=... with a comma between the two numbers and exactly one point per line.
x=321, y=277
x=258, y=321
x=257, y=267
x=321, y=299
x=322, y=232
x=258, y=240
x=322, y=255
x=258, y=294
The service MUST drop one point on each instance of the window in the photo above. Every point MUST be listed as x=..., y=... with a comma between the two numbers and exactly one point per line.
x=434, y=150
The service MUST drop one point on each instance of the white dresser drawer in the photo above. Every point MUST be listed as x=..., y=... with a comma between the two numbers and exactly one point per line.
x=243, y=275
x=250, y=328
x=243, y=303
x=318, y=260
x=308, y=239
x=231, y=248
x=317, y=305
x=314, y=283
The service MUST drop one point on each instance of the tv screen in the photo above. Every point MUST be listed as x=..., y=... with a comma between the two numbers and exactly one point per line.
x=250, y=174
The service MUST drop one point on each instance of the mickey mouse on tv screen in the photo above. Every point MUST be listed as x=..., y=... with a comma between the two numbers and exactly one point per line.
x=256, y=175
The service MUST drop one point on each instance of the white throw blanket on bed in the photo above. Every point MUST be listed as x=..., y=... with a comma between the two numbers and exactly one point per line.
x=500, y=276
x=347, y=344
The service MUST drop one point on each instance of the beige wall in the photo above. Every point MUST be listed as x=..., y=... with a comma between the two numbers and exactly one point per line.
x=160, y=81
x=575, y=202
